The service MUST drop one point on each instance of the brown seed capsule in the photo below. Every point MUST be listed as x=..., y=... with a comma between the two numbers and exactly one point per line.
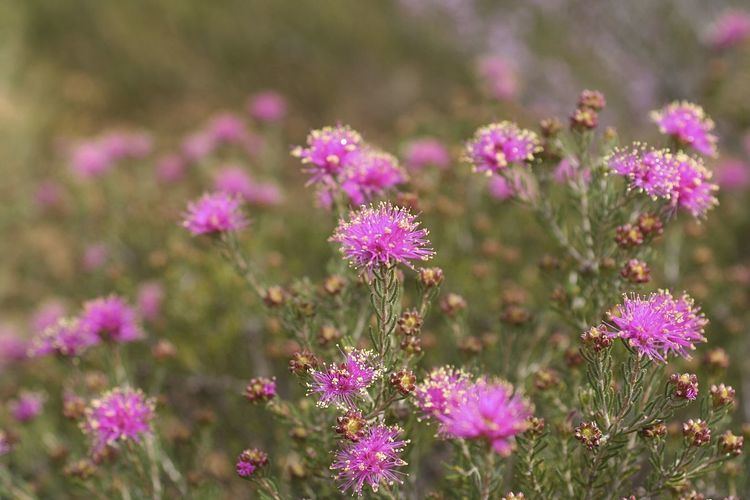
x=696, y=432
x=592, y=99
x=411, y=344
x=430, y=277
x=274, y=296
x=589, y=434
x=404, y=381
x=452, y=304
x=351, y=426
x=410, y=322
x=653, y=431
x=303, y=361
x=333, y=285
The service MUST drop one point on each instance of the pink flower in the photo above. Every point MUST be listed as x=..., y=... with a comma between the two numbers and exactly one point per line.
x=567, y=170
x=234, y=180
x=95, y=256
x=731, y=28
x=27, y=406
x=327, y=152
x=426, y=152
x=48, y=194
x=488, y=411
x=198, y=146
x=500, y=188
x=47, y=315
x=150, y=298
x=687, y=123
x=498, y=145
x=90, y=160
x=214, y=213
x=369, y=173
x=343, y=383
x=441, y=388
x=373, y=460
x=498, y=77
x=659, y=325
x=170, y=169
x=122, y=414
x=267, y=106
x=694, y=192
x=226, y=128
x=381, y=236
x=13, y=347
x=111, y=318
x=67, y=337
x=733, y=175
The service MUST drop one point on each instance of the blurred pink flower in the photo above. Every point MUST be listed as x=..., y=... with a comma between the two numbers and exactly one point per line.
x=197, y=146
x=48, y=194
x=46, y=315
x=214, y=213
x=425, y=152
x=733, y=175
x=13, y=347
x=267, y=106
x=499, y=188
x=27, y=406
x=150, y=298
x=170, y=169
x=227, y=128
x=567, y=171
x=95, y=256
x=499, y=77
x=89, y=160
x=731, y=28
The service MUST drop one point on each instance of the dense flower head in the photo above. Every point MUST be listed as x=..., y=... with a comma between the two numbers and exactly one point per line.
x=373, y=460
x=680, y=179
x=382, y=235
x=370, y=173
x=442, y=387
x=341, y=384
x=111, y=318
x=67, y=337
x=426, y=152
x=687, y=123
x=213, y=213
x=327, y=151
x=731, y=28
x=489, y=411
x=27, y=406
x=122, y=414
x=260, y=389
x=685, y=385
x=249, y=461
x=267, y=106
x=497, y=145
x=659, y=325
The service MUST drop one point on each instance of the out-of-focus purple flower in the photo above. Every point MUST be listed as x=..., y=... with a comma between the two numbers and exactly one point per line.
x=659, y=325
x=214, y=213
x=67, y=337
x=249, y=461
x=5, y=443
x=111, y=318
x=267, y=106
x=500, y=188
x=498, y=145
x=731, y=28
x=440, y=389
x=96, y=156
x=567, y=170
x=265, y=194
x=170, y=169
x=687, y=123
x=89, y=160
x=122, y=414
x=373, y=460
x=27, y=406
x=381, y=236
x=197, y=146
x=227, y=128
x=426, y=152
x=48, y=194
x=235, y=181
x=327, y=152
x=499, y=77
x=13, y=347
x=733, y=175
x=150, y=299
x=370, y=173
x=123, y=145
x=341, y=384
x=260, y=389
x=489, y=411
x=95, y=256
x=47, y=315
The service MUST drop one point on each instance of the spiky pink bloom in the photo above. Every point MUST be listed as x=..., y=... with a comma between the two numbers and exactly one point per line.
x=498, y=145
x=381, y=236
x=373, y=460
x=440, y=390
x=327, y=152
x=694, y=190
x=731, y=28
x=426, y=152
x=341, y=384
x=243, y=468
x=214, y=213
x=122, y=414
x=687, y=123
x=27, y=406
x=489, y=411
x=659, y=325
x=68, y=337
x=267, y=106
x=369, y=173
x=111, y=318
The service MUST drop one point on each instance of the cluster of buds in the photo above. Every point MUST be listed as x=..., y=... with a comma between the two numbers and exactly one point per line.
x=550, y=127
x=452, y=304
x=686, y=386
x=404, y=381
x=731, y=444
x=588, y=434
x=74, y=406
x=274, y=296
x=722, y=395
x=430, y=277
x=303, y=361
x=515, y=315
x=628, y=236
x=650, y=224
x=535, y=426
x=410, y=322
x=260, y=390
x=249, y=461
x=411, y=344
x=596, y=338
x=696, y=432
x=351, y=425
x=636, y=271
x=656, y=430
x=586, y=116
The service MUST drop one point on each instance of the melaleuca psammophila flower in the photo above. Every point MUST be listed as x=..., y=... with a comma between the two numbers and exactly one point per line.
x=343, y=383
x=722, y=395
x=498, y=145
x=685, y=385
x=260, y=390
x=214, y=213
x=688, y=124
x=120, y=415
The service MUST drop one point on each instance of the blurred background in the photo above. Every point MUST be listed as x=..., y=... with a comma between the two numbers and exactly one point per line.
x=394, y=70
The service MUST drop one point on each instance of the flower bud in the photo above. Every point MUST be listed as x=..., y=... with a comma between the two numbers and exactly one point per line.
x=164, y=350
x=260, y=390
x=589, y=434
x=430, y=277
x=546, y=379
x=627, y=236
x=515, y=315
x=722, y=395
x=452, y=304
x=550, y=127
x=636, y=271
x=80, y=469
x=410, y=323
x=351, y=426
x=597, y=338
x=328, y=334
x=535, y=426
x=584, y=119
x=302, y=362
x=333, y=285
x=650, y=224
x=696, y=432
x=513, y=496
x=592, y=99
x=716, y=359
x=274, y=296
x=654, y=431
x=411, y=344
x=686, y=386
x=404, y=381
x=731, y=444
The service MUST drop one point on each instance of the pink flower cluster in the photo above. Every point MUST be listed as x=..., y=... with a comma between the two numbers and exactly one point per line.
x=688, y=124
x=427, y=151
x=659, y=325
x=731, y=28
x=496, y=146
x=677, y=177
x=27, y=406
x=234, y=180
x=341, y=384
x=97, y=156
x=267, y=106
x=381, y=236
x=499, y=77
x=214, y=213
x=122, y=414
